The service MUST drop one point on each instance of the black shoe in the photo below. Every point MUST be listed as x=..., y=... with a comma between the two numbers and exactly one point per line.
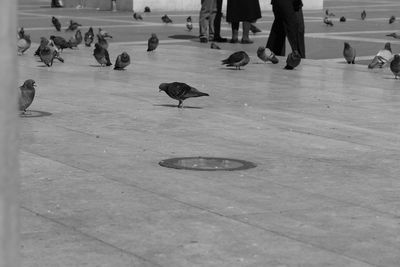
x=219, y=39
x=234, y=41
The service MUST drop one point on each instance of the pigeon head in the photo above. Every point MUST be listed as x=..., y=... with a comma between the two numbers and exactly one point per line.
x=163, y=87
x=189, y=19
x=260, y=50
x=124, y=56
x=52, y=37
x=396, y=57
x=29, y=83
x=97, y=45
x=388, y=47
x=153, y=35
x=346, y=45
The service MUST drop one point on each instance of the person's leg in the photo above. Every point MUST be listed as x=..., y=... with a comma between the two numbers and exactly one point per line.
x=235, y=32
x=211, y=19
x=203, y=19
x=288, y=16
x=277, y=36
x=217, y=23
x=246, y=30
x=301, y=47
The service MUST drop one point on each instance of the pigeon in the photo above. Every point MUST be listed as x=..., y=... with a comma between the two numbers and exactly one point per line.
x=56, y=23
x=43, y=43
x=349, y=53
x=261, y=54
x=101, y=55
x=382, y=58
x=189, y=24
x=26, y=95
x=328, y=22
x=392, y=19
x=342, y=19
x=214, y=46
x=394, y=35
x=329, y=14
x=77, y=39
x=180, y=91
x=104, y=33
x=147, y=9
x=24, y=42
x=237, y=60
x=89, y=37
x=102, y=41
x=122, y=61
x=137, y=16
x=152, y=43
x=363, y=15
x=73, y=25
x=47, y=55
x=60, y=42
x=166, y=19
x=78, y=36
x=254, y=29
x=395, y=66
x=292, y=60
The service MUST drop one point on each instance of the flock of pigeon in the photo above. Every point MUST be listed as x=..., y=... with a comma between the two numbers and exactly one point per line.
x=50, y=49
x=383, y=58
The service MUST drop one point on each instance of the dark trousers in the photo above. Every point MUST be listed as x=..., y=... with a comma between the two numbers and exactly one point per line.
x=287, y=23
x=217, y=20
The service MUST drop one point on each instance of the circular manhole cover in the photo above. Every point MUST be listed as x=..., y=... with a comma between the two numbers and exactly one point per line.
x=207, y=164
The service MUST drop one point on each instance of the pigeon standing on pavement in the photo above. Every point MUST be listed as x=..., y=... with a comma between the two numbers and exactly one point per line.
x=101, y=55
x=26, y=94
x=328, y=22
x=152, y=43
x=189, y=24
x=73, y=25
x=56, y=23
x=24, y=42
x=395, y=66
x=342, y=19
x=180, y=91
x=262, y=54
x=237, y=60
x=166, y=19
x=89, y=37
x=349, y=53
x=382, y=58
x=60, y=42
x=394, y=35
x=137, y=16
x=392, y=19
x=122, y=61
x=293, y=60
x=363, y=15
x=147, y=9
x=43, y=43
x=47, y=55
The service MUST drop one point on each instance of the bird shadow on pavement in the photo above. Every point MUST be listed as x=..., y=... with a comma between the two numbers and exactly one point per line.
x=176, y=106
x=34, y=114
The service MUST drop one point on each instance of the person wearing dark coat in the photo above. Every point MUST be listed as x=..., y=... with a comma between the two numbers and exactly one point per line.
x=288, y=22
x=246, y=11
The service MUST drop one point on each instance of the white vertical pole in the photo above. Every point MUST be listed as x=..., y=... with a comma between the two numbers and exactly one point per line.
x=9, y=181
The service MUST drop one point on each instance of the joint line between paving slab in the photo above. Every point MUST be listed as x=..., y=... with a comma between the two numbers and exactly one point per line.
x=91, y=237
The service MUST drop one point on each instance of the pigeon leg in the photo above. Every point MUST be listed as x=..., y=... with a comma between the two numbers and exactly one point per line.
x=180, y=104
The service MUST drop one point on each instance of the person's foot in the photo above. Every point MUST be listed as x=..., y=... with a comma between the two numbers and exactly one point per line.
x=203, y=39
x=246, y=41
x=220, y=39
x=234, y=41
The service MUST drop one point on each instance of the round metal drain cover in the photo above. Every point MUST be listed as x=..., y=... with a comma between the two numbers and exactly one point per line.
x=207, y=164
